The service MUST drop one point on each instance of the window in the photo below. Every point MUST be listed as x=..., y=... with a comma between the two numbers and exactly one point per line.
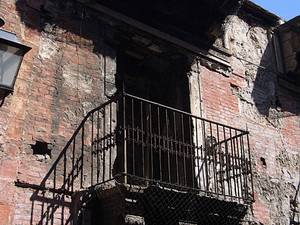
x=287, y=47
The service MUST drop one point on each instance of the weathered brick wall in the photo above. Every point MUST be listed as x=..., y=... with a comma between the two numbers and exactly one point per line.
x=250, y=98
x=60, y=80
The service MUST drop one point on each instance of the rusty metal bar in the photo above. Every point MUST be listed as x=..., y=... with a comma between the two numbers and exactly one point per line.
x=151, y=142
x=244, y=169
x=82, y=157
x=133, y=136
x=250, y=166
x=124, y=139
x=176, y=147
x=142, y=139
x=198, y=155
x=92, y=150
x=205, y=157
x=192, y=152
x=167, y=145
x=98, y=146
x=159, y=145
x=233, y=166
x=110, y=140
x=104, y=143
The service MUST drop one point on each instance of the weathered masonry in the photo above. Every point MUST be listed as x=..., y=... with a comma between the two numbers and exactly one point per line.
x=153, y=113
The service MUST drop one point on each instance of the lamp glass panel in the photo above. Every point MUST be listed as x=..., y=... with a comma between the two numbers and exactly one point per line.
x=10, y=59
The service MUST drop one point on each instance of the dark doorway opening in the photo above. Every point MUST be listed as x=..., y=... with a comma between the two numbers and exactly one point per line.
x=158, y=140
x=160, y=78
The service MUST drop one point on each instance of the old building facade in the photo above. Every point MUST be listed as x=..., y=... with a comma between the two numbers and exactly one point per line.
x=151, y=113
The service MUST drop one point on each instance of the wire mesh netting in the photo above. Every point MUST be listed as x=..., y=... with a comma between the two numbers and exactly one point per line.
x=162, y=205
x=159, y=204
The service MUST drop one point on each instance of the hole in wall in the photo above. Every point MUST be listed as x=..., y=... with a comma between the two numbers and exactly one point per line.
x=41, y=148
x=263, y=162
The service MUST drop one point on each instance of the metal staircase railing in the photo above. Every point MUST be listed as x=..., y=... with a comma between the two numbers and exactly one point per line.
x=295, y=208
x=82, y=162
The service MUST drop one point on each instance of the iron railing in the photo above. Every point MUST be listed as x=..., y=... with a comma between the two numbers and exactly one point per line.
x=295, y=208
x=168, y=146
x=139, y=142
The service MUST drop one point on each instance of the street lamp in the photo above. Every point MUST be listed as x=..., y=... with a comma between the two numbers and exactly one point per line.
x=11, y=56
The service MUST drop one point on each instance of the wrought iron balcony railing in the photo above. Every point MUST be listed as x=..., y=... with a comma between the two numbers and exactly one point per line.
x=139, y=142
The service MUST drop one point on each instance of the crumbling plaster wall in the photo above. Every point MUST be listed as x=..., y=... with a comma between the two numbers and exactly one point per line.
x=250, y=98
x=60, y=80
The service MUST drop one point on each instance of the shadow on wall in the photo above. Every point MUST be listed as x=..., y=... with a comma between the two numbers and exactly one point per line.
x=66, y=22
x=69, y=16
x=268, y=93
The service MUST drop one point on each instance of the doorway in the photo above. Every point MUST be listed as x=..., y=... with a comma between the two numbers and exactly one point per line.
x=158, y=139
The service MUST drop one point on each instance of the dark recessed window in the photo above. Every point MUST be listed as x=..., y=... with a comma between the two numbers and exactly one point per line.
x=287, y=48
x=41, y=148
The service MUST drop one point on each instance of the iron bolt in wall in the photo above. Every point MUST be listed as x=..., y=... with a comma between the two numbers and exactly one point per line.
x=12, y=52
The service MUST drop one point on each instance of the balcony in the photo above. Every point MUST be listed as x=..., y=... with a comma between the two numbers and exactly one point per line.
x=183, y=166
